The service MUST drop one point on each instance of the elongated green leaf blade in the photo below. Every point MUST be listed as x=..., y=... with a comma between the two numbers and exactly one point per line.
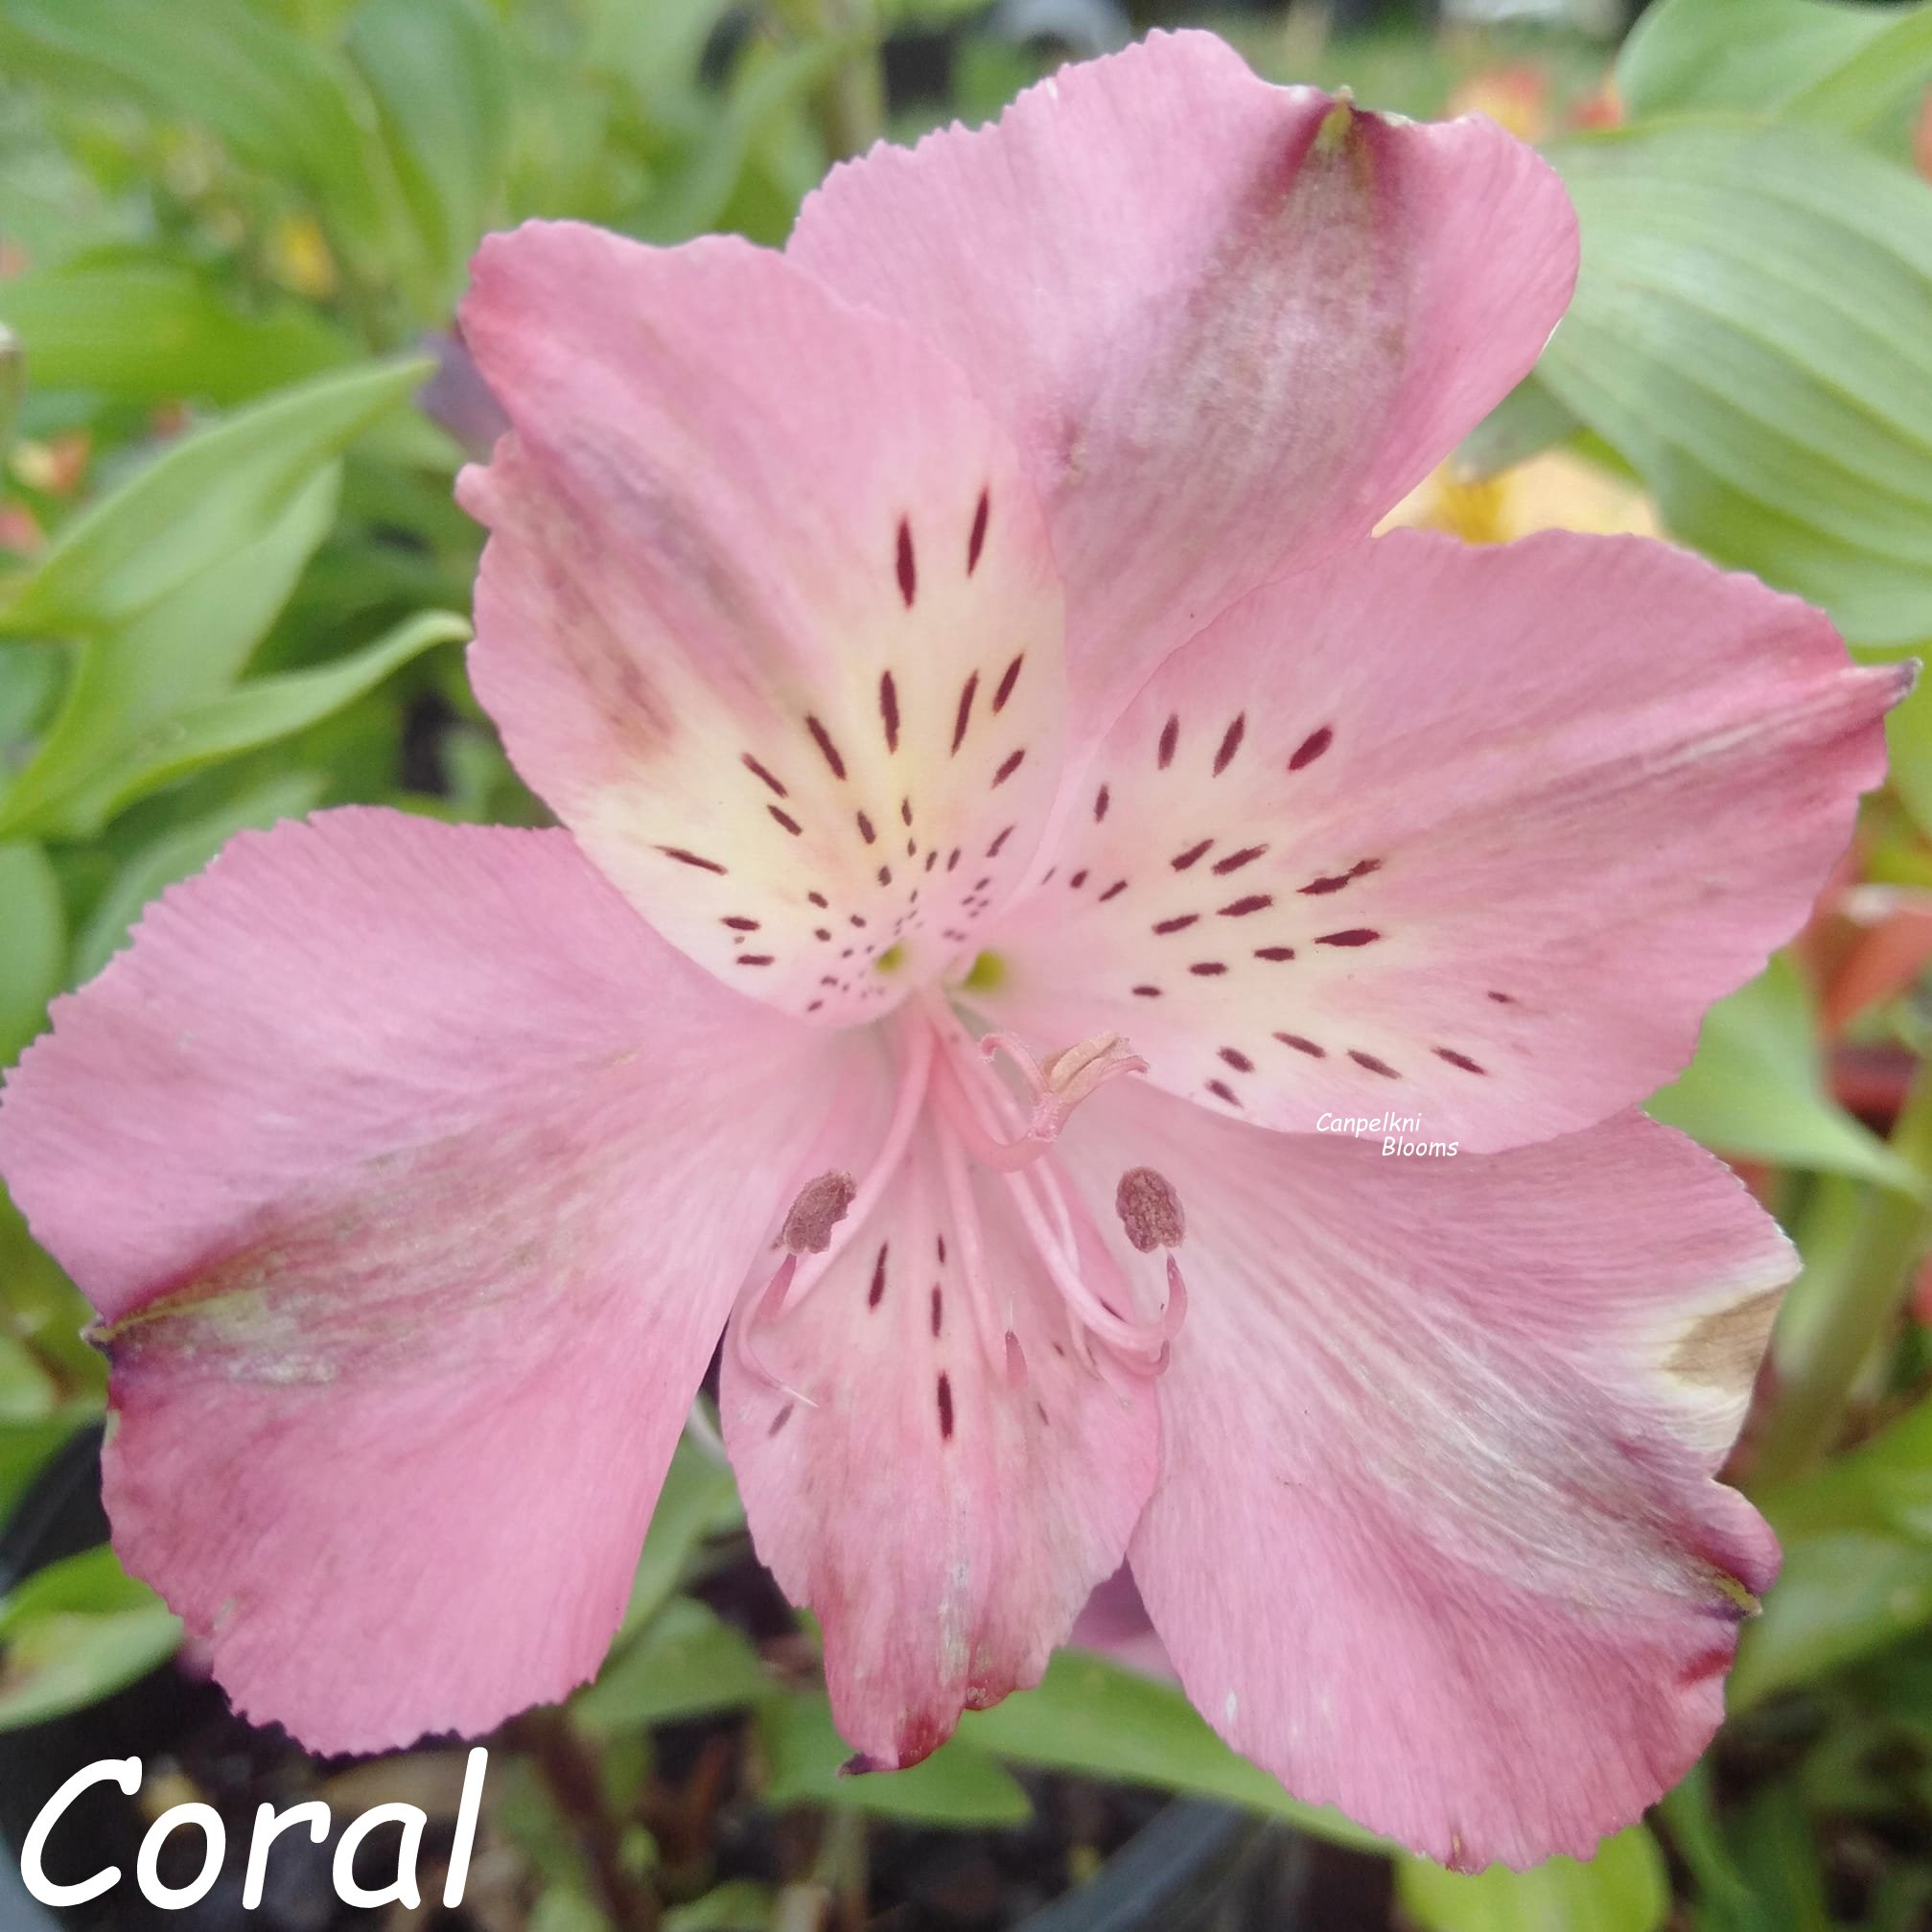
x=442, y=85
x=201, y=500
x=33, y=954
x=959, y=1784
x=261, y=711
x=688, y=1663
x=1754, y=55
x=1750, y=332
x=1756, y=1089
x=130, y=681
x=230, y=68
x=75, y=1633
x=76, y=331
x=1626, y=1888
x=1092, y=1717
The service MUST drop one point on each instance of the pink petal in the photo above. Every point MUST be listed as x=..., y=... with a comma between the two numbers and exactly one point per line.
x=944, y=1520
x=413, y=1179
x=1435, y=1537
x=1474, y=835
x=1230, y=324
x=767, y=614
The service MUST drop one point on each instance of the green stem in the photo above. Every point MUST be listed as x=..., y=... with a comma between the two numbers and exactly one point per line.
x=1816, y=1380
x=852, y=101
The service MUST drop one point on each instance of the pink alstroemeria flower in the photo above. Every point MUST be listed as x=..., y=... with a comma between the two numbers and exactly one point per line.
x=955, y=650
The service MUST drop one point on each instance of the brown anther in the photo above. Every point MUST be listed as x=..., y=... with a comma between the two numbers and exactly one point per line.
x=820, y=1207
x=1148, y=1210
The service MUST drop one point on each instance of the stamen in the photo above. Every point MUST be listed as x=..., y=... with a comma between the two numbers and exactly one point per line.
x=1149, y=1209
x=979, y=1291
x=983, y=1118
x=907, y=1105
x=755, y=1310
x=820, y=1205
x=1135, y=1340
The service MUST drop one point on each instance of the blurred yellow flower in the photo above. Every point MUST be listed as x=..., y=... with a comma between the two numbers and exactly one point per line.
x=1554, y=491
x=298, y=257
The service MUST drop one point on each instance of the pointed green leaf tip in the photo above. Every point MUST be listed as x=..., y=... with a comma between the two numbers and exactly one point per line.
x=1337, y=125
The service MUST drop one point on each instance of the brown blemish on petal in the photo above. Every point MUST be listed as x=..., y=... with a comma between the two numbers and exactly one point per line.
x=1722, y=1350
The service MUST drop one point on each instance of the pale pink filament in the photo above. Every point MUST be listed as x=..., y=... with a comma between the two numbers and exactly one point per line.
x=944, y=1078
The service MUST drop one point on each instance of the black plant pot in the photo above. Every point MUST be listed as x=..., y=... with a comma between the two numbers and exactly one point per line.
x=1196, y=1866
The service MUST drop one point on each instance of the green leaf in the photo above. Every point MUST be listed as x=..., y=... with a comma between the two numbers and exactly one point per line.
x=132, y=680
x=1525, y=423
x=1838, y=1599
x=31, y=679
x=33, y=956
x=1753, y=56
x=229, y=68
x=1777, y=1853
x=1756, y=1087
x=45, y=1310
x=766, y=84
x=201, y=500
x=75, y=1633
x=92, y=1582
x=1626, y=1888
x=27, y=1391
x=1908, y=740
x=1859, y=91
x=563, y=1908
x=192, y=342
x=263, y=710
x=1749, y=333
x=657, y=48
x=12, y=384
x=699, y=1499
x=1858, y=1575
x=1724, y=1899
x=957, y=1785
x=441, y=83
x=688, y=1663
x=1094, y=1717
x=26, y=1447
x=177, y=854
x=737, y=1905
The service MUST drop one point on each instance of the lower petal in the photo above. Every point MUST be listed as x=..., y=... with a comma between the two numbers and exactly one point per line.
x=929, y=1465
x=405, y=1167
x=1437, y=1537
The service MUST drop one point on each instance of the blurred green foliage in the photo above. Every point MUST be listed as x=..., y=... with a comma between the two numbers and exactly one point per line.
x=231, y=584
